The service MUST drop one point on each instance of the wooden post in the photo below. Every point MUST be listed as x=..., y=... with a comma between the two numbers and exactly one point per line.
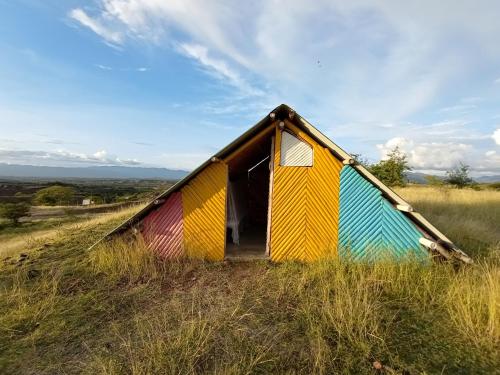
x=270, y=198
x=404, y=207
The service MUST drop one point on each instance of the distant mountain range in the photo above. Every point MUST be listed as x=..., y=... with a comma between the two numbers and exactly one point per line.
x=487, y=179
x=419, y=178
x=32, y=171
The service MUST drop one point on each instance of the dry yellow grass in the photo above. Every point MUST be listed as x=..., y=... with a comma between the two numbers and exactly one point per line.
x=118, y=260
x=468, y=217
x=119, y=310
x=323, y=317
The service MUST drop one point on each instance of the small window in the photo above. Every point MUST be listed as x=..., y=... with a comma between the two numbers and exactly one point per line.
x=295, y=152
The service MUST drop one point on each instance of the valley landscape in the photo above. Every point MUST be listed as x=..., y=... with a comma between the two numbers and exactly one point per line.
x=265, y=187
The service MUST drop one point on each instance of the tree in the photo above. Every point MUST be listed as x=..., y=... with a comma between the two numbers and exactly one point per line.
x=55, y=195
x=360, y=159
x=392, y=170
x=459, y=176
x=14, y=211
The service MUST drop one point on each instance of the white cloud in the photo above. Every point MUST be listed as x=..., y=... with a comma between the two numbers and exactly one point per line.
x=97, y=26
x=209, y=22
x=371, y=132
x=497, y=81
x=368, y=65
x=103, y=67
x=463, y=108
x=496, y=136
x=100, y=155
x=490, y=164
x=141, y=69
x=217, y=67
x=59, y=142
x=388, y=58
x=472, y=99
x=438, y=157
x=183, y=160
x=62, y=157
x=428, y=155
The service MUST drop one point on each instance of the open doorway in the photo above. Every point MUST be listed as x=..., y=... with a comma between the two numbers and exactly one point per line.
x=248, y=200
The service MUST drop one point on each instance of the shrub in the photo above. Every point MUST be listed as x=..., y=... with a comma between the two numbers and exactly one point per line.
x=494, y=185
x=54, y=196
x=14, y=211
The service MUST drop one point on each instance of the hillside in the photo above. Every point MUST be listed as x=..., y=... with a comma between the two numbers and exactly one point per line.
x=420, y=178
x=120, y=172
x=108, y=172
x=118, y=310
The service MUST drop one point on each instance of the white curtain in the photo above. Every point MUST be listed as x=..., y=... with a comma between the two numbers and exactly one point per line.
x=236, y=208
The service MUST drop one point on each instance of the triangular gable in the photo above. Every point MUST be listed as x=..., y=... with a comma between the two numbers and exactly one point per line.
x=436, y=240
x=369, y=226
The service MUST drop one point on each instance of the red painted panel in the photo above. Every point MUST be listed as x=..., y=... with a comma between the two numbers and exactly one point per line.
x=162, y=229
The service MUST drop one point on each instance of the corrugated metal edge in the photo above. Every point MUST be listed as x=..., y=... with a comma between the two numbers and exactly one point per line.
x=162, y=229
x=283, y=111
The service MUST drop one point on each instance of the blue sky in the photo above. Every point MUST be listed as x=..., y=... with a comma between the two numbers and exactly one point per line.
x=168, y=83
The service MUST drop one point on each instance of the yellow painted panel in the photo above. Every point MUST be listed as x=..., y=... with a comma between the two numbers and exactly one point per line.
x=288, y=218
x=323, y=193
x=204, y=205
x=305, y=205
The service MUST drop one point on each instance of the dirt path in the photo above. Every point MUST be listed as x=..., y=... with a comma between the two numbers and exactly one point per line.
x=11, y=244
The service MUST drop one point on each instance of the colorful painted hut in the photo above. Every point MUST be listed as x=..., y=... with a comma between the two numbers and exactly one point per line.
x=284, y=191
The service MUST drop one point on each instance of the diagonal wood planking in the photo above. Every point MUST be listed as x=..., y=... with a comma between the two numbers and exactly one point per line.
x=204, y=205
x=370, y=227
x=305, y=205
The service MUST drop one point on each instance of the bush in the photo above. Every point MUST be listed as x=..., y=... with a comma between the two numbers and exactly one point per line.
x=494, y=185
x=55, y=196
x=459, y=176
x=14, y=211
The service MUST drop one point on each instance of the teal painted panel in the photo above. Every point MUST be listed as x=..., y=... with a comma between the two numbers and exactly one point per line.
x=369, y=226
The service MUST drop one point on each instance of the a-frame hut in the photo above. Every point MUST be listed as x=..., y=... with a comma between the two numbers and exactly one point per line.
x=284, y=191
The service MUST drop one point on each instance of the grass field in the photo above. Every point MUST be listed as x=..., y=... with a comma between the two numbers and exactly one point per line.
x=47, y=223
x=118, y=310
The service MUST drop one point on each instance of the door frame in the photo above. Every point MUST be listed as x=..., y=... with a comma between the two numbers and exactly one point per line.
x=270, y=197
x=269, y=130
